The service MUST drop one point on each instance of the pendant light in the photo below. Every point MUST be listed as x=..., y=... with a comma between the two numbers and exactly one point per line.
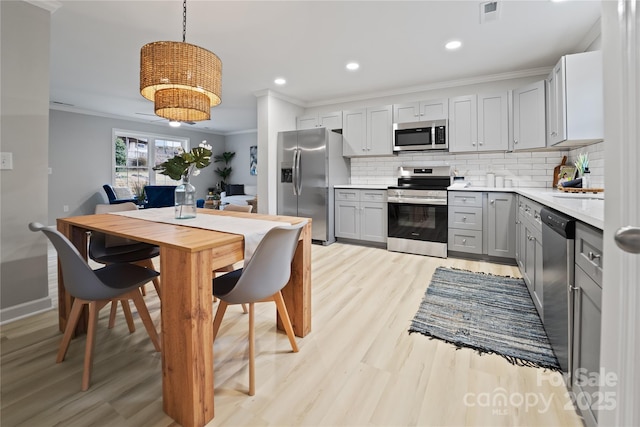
x=183, y=80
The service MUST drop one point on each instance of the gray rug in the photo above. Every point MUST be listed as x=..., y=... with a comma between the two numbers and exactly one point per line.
x=490, y=314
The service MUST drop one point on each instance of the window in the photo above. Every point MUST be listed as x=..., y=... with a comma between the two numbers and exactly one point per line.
x=136, y=154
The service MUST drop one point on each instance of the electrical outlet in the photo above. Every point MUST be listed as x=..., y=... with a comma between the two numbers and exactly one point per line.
x=65, y=208
x=6, y=161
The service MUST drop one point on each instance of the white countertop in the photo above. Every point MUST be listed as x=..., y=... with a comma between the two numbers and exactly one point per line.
x=363, y=186
x=586, y=207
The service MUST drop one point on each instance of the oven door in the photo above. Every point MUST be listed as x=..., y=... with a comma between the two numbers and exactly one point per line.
x=421, y=222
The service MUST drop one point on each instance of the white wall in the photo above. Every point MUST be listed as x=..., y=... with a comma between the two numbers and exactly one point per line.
x=24, y=129
x=275, y=114
x=240, y=143
x=81, y=159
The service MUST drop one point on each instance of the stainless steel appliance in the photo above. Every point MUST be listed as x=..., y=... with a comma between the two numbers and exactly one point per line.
x=310, y=164
x=418, y=136
x=417, y=217
x=558, y=234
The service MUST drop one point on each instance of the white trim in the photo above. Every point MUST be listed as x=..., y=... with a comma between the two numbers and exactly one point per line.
x=48, y=5
x=151, y=146
x=543, y=71
x=27, y=309
x=620, y=343
x=273, y=94
x=53, y=105
x=241, y=132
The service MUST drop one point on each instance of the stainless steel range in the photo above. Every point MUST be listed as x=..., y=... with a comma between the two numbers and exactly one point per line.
x=417, y=218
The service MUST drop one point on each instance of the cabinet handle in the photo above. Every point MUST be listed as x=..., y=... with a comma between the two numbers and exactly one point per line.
x=464, y=241
x=464, y=219
x=515, y=141
x=536, y=216
x=492, y=201
x=480, y=143
x=593, y=256
x=416, y=115
x=464, y=199
x=473, y=143
x=531, y=238
x=517, y=222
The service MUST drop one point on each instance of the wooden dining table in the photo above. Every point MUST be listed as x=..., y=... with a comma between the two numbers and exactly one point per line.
x=188, y=257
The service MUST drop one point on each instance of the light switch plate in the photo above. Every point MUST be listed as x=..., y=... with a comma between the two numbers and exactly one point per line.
x=6, y=161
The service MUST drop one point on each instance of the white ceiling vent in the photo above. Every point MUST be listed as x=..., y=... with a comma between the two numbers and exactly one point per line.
x=489, y=11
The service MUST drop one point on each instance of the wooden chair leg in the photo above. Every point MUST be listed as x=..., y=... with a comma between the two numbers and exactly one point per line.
x=72, y=321
x=112, y=313
x=91, y=338
x=286, y=321
x=252, y=351
x=244, y=308
x=127, y=315
x=143, y=312
x=217, y=321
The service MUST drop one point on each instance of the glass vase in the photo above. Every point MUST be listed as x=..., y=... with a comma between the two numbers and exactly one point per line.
x=185, y=196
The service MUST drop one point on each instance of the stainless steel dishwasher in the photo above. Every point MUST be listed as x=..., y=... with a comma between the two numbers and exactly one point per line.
x=558, y=234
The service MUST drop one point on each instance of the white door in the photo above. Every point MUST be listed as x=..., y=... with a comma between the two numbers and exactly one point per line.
x=620, y=345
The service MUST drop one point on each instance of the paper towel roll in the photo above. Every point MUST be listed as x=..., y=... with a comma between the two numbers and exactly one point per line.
x=491, y=180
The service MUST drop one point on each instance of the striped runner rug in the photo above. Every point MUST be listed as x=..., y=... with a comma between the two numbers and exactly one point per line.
x=488, y=313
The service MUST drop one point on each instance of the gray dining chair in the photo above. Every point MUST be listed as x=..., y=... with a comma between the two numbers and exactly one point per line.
x=108, y=249
x=96, y=288
x=229, y=268
x=261, y=280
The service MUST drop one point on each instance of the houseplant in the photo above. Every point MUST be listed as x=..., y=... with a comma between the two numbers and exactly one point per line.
x=225, y=171
x=183, y=166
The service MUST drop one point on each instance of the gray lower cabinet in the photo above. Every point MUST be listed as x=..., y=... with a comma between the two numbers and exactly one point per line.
x=529, y=248
x=501, y=231
x=586, y=321
x=361, y=214
x=482, y=223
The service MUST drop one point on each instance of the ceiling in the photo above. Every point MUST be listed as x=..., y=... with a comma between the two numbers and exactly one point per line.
x=95, y=48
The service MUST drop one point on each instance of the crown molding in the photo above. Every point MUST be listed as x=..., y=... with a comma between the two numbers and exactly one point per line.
x=274, y=94
x=541, y=71
x=49, y=5
x=160, y=122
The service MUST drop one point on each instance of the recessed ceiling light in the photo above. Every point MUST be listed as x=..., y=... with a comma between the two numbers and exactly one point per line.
x=280, y=81
x=454, y=44
x=174, y=124
x=352, y=66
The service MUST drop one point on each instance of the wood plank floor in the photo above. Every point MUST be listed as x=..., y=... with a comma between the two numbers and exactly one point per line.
x=358, y=367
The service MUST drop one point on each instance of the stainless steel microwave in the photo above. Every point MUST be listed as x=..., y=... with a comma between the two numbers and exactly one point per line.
x=418, y=136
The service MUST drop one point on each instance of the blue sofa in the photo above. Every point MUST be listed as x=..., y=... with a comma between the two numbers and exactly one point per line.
x=113, y=199
x=159, y=196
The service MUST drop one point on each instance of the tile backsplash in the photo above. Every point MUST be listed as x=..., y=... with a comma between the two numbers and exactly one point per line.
x=524, y=169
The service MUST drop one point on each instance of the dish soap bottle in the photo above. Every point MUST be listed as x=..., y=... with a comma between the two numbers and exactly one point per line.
x=586, y=178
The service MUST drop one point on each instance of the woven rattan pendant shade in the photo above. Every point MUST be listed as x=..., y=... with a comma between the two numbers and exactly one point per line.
x=182, y=79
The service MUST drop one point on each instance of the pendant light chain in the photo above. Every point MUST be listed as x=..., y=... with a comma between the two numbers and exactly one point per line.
x=184, y=21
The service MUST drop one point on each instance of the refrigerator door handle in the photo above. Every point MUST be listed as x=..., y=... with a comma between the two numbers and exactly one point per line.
x=295, y=172
x=298, y=174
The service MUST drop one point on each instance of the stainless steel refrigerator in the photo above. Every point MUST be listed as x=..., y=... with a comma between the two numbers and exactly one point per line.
x=310, y=163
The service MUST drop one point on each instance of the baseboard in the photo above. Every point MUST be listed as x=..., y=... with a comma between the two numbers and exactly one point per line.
x=20, y=311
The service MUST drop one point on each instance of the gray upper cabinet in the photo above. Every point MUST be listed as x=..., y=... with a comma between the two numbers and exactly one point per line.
x=479, y=123
x=529, y=127
x=434, y=109
x=367, y=132
x=575, y=100
x=331, y=120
